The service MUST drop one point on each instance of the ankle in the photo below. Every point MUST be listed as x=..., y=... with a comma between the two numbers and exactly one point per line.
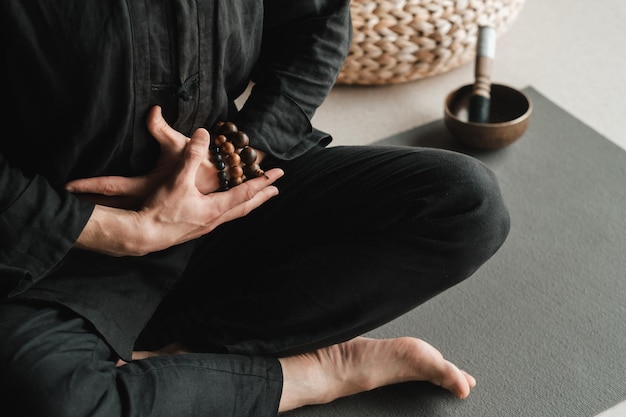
x=298, y=386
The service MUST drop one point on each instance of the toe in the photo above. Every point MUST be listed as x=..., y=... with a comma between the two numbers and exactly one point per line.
x=458, y=382
x=470, y=379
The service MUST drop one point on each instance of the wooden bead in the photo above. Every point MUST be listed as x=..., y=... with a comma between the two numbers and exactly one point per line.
x=240, y=139
x=235, y=171
x=253, y=171
x=228, y=140
x=234, y=159
x=227, y=148
x=220, y=140
x=248, y=155
x=227, y=128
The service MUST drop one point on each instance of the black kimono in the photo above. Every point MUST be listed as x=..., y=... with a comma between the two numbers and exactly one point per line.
x=83, y=75
x=358, y=236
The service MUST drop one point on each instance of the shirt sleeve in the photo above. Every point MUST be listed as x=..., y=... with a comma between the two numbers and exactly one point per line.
x=303, y=49
x=38, y=227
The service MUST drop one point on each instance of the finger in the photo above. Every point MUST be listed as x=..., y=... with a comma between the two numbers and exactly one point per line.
x=195, y=153
x=138, y=355
x=107, y=185
x=243, y=209
x=223, y=207
x=169, y=138
x=241, y=200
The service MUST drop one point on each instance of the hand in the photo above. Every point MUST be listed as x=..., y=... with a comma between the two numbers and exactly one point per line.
x=173, y=210
x=130, y=192
x=178, y=211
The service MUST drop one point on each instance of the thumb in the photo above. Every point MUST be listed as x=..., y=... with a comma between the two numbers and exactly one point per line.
x=197, y=150
x=170, y=139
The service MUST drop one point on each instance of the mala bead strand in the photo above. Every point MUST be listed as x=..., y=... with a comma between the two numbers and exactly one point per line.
x=235, y=160
x=218, y=160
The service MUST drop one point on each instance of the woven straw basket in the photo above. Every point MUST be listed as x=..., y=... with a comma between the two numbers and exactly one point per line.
x=396, y=41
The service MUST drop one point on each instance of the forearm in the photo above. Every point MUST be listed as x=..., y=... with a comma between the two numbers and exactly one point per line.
x=38, y=224
x=304, y=48
x=112, y=231
x=174, y=212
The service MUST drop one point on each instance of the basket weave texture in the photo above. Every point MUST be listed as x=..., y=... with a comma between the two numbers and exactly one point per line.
x=396, y=41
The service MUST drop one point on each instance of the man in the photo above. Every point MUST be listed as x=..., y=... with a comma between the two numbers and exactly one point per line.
x=133, y=286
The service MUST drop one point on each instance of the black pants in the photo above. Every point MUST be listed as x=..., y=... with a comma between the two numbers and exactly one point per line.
x=357, y=237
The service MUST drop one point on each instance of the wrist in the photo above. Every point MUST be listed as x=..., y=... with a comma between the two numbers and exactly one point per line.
x=112, y=231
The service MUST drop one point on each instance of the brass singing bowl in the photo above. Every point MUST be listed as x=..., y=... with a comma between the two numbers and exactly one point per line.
x=509, y=116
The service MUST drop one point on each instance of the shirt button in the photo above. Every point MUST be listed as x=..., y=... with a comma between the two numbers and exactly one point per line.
x=184, y=95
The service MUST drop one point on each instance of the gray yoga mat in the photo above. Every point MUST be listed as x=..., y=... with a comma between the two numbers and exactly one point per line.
x=542, y=325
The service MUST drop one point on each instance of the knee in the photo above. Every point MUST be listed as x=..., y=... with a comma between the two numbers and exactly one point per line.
x=482, y=222
x=468, y=215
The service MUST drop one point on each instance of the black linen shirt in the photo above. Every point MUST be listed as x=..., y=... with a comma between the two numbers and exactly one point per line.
x=79, y=77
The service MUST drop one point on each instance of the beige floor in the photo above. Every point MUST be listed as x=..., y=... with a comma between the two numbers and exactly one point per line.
x=573, y=52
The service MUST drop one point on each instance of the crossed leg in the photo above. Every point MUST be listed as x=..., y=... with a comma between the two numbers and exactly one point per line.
x=355, y=366
x=436, y=206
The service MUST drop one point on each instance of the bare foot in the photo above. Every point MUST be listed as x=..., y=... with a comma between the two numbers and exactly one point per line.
x=363, y=364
